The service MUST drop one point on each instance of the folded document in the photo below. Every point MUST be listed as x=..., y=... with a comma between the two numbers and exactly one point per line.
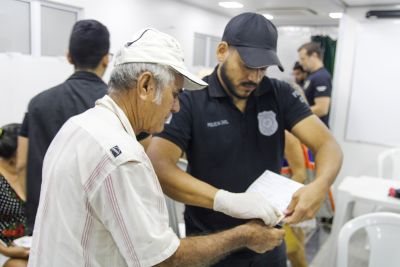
x=276, y=189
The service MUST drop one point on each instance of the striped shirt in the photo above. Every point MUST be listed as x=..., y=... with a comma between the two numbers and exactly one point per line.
x=101, y=203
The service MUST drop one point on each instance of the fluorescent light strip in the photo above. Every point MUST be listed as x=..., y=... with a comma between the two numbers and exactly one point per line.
x=230, y=4
x=336, y=15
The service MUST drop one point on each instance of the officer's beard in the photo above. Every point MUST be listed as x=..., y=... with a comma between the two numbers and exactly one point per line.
x=229, y=85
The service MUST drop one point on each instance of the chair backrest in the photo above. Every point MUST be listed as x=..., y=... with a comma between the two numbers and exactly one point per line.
x=383, y=231
x=389, y=163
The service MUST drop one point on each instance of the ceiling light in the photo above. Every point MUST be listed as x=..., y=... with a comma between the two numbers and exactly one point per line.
x=268, y=16
x=230, y=4
x=336, y=15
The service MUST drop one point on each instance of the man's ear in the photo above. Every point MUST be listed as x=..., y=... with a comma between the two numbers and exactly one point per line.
x=315, y=55
x=222, y=51
x=69, y=58
x=105, y=60
x=146, y=85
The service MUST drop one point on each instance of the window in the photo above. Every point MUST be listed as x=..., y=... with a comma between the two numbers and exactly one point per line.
x=15, y=26
x=205, y=48
x=56, y=26
x=36, y=27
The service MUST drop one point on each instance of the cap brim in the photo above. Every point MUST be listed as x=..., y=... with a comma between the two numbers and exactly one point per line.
x=190, y=81
x=255, y=57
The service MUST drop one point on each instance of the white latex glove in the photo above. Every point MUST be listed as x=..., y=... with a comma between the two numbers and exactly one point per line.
x=249, y=205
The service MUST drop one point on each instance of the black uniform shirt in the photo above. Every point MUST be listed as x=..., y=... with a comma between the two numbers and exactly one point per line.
x=316, y=85
x=47, y=112
x=230, y=149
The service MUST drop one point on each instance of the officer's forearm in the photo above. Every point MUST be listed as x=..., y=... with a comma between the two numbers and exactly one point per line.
x=176, y=183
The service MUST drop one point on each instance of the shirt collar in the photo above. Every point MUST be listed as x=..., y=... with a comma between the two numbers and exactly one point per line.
x=264, y=87
x=86, y=75
x=108, y=103
x=215, y=88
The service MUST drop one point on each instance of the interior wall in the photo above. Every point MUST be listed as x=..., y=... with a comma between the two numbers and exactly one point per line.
x=359, y=158
x=24, y=76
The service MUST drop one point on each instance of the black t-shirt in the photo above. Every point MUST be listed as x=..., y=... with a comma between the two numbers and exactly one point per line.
x=47, y=112
x=230, y=149
x=317, y=84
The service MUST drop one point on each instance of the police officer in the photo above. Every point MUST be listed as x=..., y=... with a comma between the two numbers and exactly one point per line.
x=318, y=86
x=232, y=131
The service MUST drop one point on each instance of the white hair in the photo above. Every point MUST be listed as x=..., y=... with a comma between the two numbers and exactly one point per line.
x=124, y=77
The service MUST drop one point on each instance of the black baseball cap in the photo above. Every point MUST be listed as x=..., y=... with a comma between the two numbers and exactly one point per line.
x=255, y=38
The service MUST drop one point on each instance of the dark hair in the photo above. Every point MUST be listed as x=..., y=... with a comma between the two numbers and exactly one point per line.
x=8, y=139
x=298, y=66
x=311, y=48
x=88, y=43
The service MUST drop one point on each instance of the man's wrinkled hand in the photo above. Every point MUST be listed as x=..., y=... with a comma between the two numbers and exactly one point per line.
x=264, y=238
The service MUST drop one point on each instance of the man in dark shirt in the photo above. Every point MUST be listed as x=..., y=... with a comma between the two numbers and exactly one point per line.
x=89, y=53
x=318, y=86
x=232, y=131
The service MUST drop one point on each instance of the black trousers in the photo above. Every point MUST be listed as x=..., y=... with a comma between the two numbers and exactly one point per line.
x=246, y=258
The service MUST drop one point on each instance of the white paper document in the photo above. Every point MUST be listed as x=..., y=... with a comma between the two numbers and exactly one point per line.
x=277, y=189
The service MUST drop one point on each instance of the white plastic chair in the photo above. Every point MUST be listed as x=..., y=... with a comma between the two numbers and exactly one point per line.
x=383, y=231
x=389, y=164
x=389, y=168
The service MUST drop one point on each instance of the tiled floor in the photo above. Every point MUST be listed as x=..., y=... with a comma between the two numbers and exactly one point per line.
x=315, y=240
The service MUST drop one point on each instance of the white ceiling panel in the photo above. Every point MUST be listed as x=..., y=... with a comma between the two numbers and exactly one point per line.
x=285, y=12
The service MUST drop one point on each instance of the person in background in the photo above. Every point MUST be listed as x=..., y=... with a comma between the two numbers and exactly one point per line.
x=12, y=200
x=232, y=131
x=299, y=74
x=295, y=167
x=101, y=202
x=318, y=85
x=88, y=52
x=298, y=165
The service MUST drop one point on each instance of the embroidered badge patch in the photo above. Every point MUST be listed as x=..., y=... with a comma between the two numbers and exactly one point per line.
x=321, y=88
x=267, y=123
x=116, y=151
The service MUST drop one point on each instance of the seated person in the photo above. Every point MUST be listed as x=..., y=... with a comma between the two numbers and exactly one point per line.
x=12, y=195
x=296, y=165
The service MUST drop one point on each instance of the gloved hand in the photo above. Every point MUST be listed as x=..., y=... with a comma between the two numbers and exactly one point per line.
x=249, y=205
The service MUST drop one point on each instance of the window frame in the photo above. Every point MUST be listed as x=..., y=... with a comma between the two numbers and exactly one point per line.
x=207, y=49
x=35, y=21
